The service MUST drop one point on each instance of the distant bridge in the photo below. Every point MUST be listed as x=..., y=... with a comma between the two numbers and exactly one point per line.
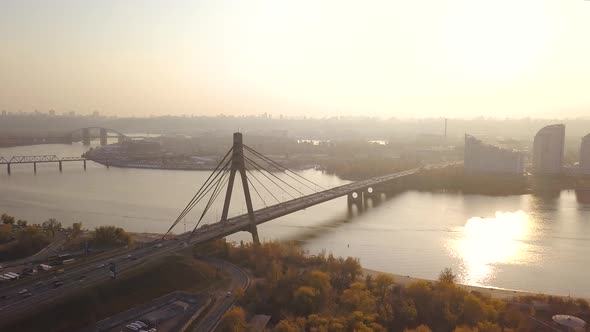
x=39, y=159
x=84, y=134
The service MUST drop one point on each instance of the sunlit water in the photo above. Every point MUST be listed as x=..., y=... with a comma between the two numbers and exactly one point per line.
x=528, y=242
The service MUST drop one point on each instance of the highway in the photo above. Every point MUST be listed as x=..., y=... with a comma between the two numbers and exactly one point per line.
x=40, y=289
x=239, y=279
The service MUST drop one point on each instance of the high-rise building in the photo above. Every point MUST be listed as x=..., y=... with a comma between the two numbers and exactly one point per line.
x=548, y=149
x=488, y=158
x=585, y=155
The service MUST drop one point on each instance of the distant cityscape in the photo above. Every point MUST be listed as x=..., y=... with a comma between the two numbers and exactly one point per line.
x=547, y=157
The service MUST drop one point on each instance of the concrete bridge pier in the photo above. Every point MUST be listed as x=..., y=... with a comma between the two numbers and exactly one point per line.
x=254, y=231
x=356, y=198
x=374, y=194
x=35, y=168
x=60, y=168
x=86, y=136
x=103, y=136
x=8, y=168
x=84, y=164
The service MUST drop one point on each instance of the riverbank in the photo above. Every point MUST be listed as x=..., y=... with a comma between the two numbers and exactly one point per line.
x=493, y=292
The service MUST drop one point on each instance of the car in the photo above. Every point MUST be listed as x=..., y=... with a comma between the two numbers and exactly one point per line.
x=133, y=258
x=129, y=256
x=39, y=284
x=22, y=291
x=82, y=277
x=58, y=284
x=159, y=245
x=228, y=294
x=28, y=295
x=141, y=323
x=182, y=244
x=132, y=327
x=100, y=265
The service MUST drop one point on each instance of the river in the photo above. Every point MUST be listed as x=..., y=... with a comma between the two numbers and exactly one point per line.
x=526, y=242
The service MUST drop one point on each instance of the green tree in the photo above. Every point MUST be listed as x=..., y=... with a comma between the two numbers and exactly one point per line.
x=52, y=225
x=6, y=219
x=233, y=321
x=22, y=223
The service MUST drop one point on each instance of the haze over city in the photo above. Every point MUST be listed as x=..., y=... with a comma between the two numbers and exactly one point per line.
x=385, y=59
x=294, y=166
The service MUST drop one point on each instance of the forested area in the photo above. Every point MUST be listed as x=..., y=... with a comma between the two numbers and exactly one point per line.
x=324, y=293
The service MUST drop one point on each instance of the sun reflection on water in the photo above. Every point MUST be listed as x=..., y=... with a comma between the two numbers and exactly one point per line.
x=486, y=242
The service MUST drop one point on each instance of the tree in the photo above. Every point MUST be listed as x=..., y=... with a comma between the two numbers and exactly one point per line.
x=111, y=235
x=488, y=327
x=447, y=276
x=233, y=321
x=421, y=328
x=286, y=325
x=22, y=223
x=306, y=300
x=5, y=233
x=52, y=225
x=358, y=298
x=473, y=310
x=76, y=229
x=321, y=282
x=6, y=219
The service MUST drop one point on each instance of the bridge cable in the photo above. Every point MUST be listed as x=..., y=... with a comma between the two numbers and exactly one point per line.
x=218, y=187
x=205, y=191
x=256, y=190
x=269, y=178
x=262, y=184
x=202, y=190
x=260, y=155
x=206, y=181
x=210, y=186
x=289, y=175
x=271, y=173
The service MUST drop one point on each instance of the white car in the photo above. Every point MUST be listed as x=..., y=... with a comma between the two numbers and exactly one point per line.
x=100, y=265
x=23, y=291
x=132, y=327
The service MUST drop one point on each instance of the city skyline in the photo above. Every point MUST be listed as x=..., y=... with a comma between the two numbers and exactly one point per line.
x=447, y=59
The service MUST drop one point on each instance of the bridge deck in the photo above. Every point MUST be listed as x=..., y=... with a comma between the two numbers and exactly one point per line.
x=241, y=222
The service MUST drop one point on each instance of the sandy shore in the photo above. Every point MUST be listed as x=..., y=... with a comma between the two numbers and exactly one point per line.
x=498, y=293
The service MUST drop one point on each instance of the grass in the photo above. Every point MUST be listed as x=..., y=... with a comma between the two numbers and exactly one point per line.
x=146, y=283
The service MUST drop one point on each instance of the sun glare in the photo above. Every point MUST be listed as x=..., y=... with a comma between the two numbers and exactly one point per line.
x=489, y=241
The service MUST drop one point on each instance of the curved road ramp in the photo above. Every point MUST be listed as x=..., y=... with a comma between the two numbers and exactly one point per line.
x=172, y=312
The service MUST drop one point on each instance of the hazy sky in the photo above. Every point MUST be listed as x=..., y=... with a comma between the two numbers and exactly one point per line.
x=382, y=58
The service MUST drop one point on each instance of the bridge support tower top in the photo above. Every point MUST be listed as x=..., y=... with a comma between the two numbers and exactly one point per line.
x=238, y=165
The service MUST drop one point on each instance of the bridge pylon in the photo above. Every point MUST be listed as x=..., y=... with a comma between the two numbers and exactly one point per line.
x=238, y=164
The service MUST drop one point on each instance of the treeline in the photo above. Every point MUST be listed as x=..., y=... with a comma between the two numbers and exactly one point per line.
x=325, y=293
x=20, y=239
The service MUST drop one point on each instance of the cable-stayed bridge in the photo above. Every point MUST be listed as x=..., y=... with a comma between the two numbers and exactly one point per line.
x=255, y=169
